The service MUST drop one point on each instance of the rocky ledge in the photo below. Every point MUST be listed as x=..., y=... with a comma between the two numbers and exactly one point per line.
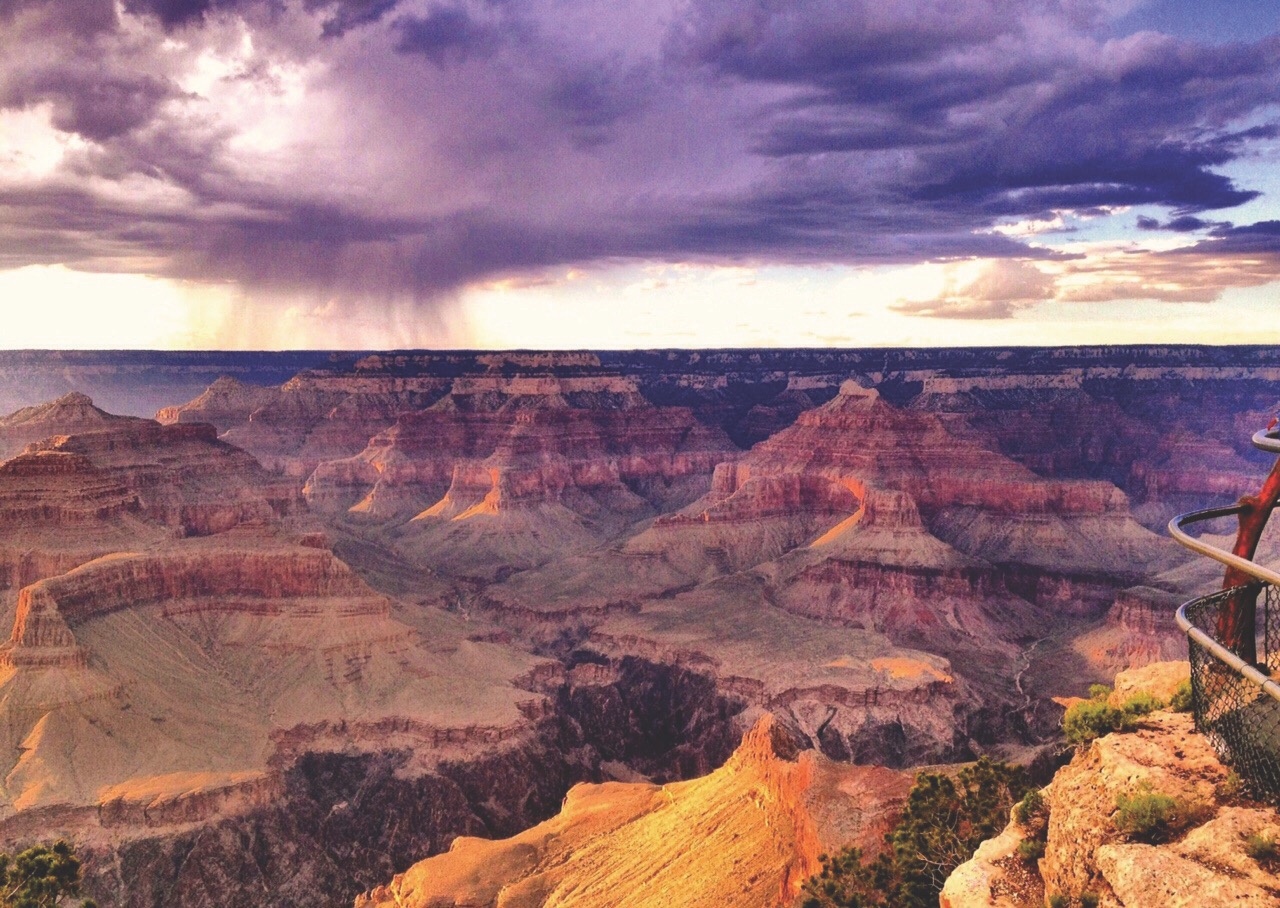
x=1213, y=853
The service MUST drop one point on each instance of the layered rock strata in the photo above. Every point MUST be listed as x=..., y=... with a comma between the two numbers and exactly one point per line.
x=747, y=835
x=68, y=499
x=68, y=415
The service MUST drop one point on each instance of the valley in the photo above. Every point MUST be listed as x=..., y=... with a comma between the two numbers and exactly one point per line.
x=316, y=620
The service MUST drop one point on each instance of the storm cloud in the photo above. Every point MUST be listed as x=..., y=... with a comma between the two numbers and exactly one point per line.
x=407, y=148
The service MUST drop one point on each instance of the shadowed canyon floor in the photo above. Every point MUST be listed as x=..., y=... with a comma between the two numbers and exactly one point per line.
x=288, y=640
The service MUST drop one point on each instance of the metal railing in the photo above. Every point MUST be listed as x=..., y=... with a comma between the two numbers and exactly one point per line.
x=1236, y=703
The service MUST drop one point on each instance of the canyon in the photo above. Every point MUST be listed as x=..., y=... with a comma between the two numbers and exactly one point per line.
x=558, y=623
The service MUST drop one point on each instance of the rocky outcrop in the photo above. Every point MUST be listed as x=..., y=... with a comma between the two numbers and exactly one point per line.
x=68, y=415
x=509, y=442
x=181, y=476
x=1205, y=863
x=57, y=511
x=747, y=835
x=505, y=473
x=226, y=403
x=980, y=503
x=68, y=499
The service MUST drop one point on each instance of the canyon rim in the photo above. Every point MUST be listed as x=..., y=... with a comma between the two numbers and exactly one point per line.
x=692, y=454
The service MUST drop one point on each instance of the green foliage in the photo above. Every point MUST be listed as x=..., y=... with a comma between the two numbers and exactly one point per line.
x=1230, y=788
x=1089, y=899
x=1181, y=701
x=1262, y=848
x=1031, y=850
x=40, y=877
x=1089, y=720
x=945, y=820
x=1152, y=816
x=1085, y=722
x=846, y=882
x=1058, y=900
x=1032, y=813
x=1141, y=704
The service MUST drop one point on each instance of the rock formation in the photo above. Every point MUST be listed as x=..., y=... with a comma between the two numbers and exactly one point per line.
x=748, y=835
x=221, y=711
x=68, y=499
x=1205, y=865
x=225, y=404
x=68, y=415
x=212, y=656
x=507, y=473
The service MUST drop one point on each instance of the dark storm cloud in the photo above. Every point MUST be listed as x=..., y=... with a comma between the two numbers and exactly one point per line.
x=1068, y=126
x=448, y=142
x=1185, y=224
x=173, y=13
x=445, y=35
x=85, y=101
x=1262, y=238
x=343, y=15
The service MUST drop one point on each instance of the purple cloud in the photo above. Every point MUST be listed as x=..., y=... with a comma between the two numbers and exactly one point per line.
x=352, y=148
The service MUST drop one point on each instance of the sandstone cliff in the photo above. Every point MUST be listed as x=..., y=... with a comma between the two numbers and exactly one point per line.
x=128, y=483
x=747, y=835
x=1206, y=864
x=68, y=415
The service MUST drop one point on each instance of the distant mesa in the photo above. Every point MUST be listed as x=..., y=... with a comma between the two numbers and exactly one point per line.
x=68, y=415
x=226, y=403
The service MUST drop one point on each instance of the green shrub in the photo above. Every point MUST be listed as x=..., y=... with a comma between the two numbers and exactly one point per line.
x=1031, y=812
x=945, y=820
x=1262, y=848
x=1031, y=850
x=41, y=877
x=1058, y=900
x=1152, y=816
x=1142, y=703
x=1089, y=899
x=1099, y=692
x=1182, y=701
x=845, y=882
x=1085, y=722
x=1229, y=788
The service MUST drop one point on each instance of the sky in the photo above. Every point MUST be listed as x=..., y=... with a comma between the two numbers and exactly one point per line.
x=371, y=174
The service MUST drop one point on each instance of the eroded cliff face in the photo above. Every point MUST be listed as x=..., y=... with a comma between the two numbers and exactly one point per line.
x=336, y=815
x=68, y=415
x=818, y=536
x=1206, y=864
x=128, y=484
x=746, y=835
x=506, y=473
x=599, y=587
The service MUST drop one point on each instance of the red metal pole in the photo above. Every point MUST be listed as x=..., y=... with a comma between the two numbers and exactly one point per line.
x=1236, y=620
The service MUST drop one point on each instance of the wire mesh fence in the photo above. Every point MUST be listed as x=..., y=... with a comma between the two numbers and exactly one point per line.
x=1240, y=718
